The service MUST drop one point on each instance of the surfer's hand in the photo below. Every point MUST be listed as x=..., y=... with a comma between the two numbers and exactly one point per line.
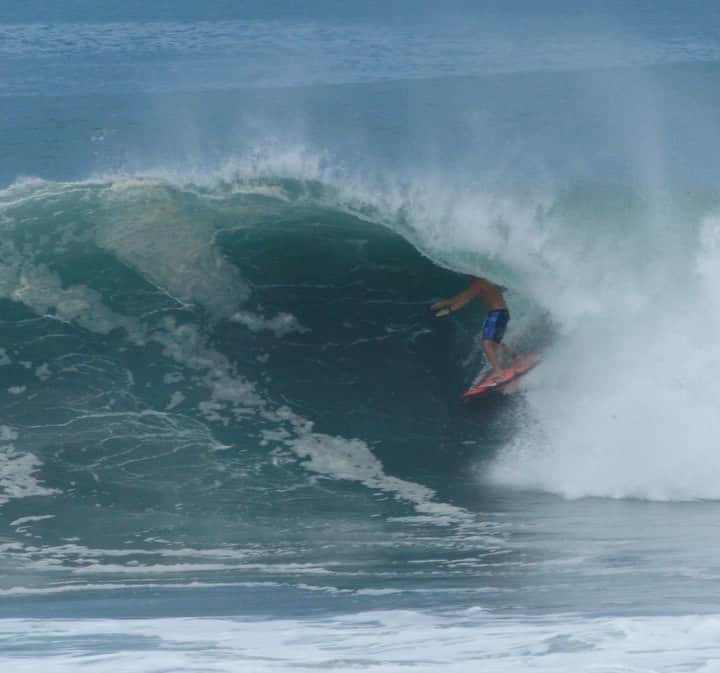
x=442, y=312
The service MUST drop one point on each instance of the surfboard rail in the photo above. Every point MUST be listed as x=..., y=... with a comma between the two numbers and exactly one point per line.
x=520, y=366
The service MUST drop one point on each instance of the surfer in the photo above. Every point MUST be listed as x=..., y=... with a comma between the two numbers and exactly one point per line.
x=497, y=319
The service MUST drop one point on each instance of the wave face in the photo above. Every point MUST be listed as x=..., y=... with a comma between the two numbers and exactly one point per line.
x=132, y=259
x=291, y=312
x=158, y=326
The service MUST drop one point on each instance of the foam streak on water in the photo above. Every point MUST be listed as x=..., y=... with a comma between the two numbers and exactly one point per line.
x=385, y=641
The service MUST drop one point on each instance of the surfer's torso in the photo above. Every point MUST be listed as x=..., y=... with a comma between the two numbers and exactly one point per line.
x=488, y=294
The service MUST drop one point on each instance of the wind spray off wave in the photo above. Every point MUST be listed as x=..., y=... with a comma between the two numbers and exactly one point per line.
x=626, y=404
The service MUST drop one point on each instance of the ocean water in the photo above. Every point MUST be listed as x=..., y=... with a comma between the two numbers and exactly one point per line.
x=232, y=434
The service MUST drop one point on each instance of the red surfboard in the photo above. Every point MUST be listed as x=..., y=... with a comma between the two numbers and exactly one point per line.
x=520, y=366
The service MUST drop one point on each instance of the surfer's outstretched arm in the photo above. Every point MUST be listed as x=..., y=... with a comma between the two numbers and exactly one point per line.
x=452, y=304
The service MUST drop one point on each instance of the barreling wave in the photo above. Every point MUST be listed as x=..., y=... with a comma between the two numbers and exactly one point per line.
x=281, y=293
x=190, y=313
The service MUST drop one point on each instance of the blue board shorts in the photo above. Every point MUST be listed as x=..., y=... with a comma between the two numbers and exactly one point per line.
x=495, y=324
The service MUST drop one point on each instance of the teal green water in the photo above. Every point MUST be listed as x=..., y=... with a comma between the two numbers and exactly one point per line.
x=232, y=435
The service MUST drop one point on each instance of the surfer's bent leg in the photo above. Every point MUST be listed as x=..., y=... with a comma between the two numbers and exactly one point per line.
x=491, y=355
x=493, y=332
